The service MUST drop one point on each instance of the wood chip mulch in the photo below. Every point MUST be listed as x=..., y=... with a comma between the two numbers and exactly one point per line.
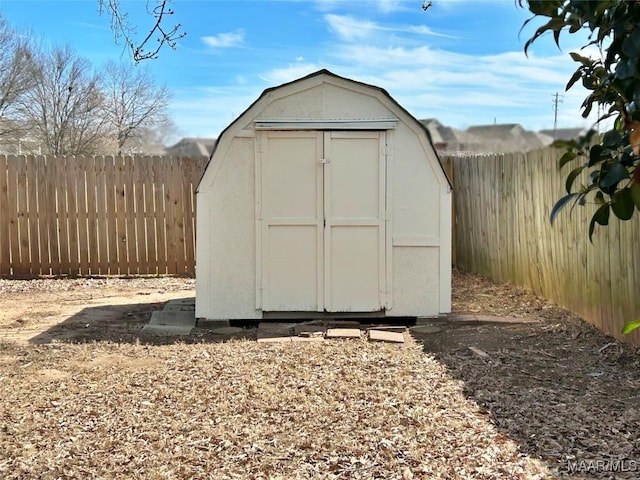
x=240, y=409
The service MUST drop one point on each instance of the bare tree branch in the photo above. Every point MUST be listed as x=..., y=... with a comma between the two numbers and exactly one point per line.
x=16, y=76
x=62, y=111
x=123, y=30
x=133, y=102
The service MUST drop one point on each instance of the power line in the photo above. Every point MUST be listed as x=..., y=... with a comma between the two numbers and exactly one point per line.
x=557, y=100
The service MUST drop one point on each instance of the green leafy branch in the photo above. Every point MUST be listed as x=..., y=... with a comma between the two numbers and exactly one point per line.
x=610, y=161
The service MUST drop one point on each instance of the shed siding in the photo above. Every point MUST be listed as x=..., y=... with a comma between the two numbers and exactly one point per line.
x=327, y=102
x=226, y=223
x=419, y=203
x=416, y=282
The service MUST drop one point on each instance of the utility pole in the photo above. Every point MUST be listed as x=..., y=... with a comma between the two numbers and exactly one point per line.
x=557, y=99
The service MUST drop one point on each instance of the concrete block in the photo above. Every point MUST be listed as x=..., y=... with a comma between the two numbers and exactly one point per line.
x=207, y=323
x=227, y=331
x=165, y=330
x=343, y=333
x=307, y=339
x=274, y=339
x=386, y=336
x=184, y=319
x=308, y=329
x=177, y=307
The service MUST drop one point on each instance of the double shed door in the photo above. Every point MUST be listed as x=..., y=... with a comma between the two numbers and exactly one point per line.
x=321, y=219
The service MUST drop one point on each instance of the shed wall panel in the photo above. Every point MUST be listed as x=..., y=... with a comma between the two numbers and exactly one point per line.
x=416, y=191
x=225, y=288
x=416, y=281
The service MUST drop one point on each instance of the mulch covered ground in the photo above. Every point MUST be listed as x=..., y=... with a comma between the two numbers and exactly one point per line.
x=526, y=401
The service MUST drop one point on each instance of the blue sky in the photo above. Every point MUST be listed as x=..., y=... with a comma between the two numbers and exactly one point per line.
x=461, y=61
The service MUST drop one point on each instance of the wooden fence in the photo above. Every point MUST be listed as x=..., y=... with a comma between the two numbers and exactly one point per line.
x=503, y=232
x=97, y=215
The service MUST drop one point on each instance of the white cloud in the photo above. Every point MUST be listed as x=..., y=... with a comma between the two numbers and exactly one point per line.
x=225, y=40
x=206, y=111
x=389, y=6
x=382, y=6
x=288, y=74
x=465, y=89
x=349, y=28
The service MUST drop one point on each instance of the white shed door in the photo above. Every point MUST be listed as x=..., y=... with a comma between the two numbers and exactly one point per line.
x=322, y=222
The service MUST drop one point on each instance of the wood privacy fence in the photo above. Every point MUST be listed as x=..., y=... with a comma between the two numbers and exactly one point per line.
x=97, y=215
x=503, y=232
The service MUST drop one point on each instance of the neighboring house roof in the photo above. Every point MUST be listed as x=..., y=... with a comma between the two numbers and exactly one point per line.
x=544, y=138
x=564, y=133
x=504, y=131
x=450, y=136
x=192, y=147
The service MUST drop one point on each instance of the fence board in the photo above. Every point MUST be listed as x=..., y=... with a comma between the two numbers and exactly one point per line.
x=170, y=229
x=5, y=245
x=91, y=216
x=121, y=215
x=22, y=265
x=63, y=214
x=71, y=175
x=97, y=215
x=177, y=204
x=139, y=167
x=129, y=220
x=33, y=209
x=102, y=215
x=503, y=232
x=44, y=214
x=12, y=213
x=159, y=174
x=149, y=215
x=81, y=215
x=191, y=174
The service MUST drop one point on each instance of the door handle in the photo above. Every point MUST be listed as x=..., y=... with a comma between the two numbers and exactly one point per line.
x=325, y=161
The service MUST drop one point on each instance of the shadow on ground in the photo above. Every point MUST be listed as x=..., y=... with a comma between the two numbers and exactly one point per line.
x=129, y=323
x=565, y=391
x=124, y=324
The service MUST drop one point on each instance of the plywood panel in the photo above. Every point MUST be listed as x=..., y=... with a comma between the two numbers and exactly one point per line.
x=354, y=205
x=354, y=269
x=291, y=268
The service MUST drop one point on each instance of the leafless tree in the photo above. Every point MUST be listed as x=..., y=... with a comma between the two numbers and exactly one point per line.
x=63, y=109
x=16, y=75
x=133, y=103
x=159, y=34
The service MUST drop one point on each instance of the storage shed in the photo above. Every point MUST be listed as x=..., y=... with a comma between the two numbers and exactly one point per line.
x=325, y=195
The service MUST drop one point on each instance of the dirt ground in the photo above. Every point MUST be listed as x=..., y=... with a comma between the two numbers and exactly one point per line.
x=564, y=392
